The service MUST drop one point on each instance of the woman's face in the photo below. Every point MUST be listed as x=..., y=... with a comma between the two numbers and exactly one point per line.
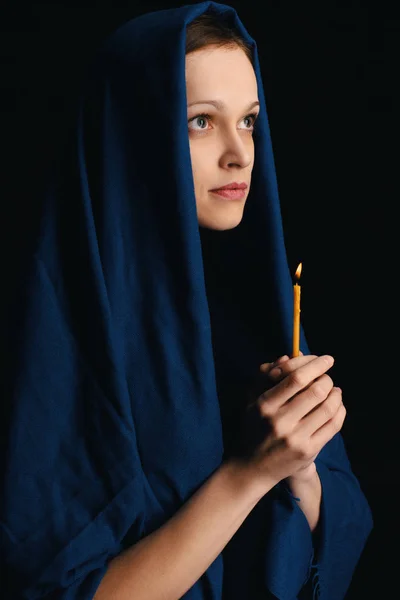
x=222, y=101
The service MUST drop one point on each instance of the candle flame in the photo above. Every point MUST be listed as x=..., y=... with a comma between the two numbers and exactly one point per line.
x=298, y=272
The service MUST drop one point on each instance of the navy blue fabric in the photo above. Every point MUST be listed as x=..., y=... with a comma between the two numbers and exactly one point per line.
x=134, y=342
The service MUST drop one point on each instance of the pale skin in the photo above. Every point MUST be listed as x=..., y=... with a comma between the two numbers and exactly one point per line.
x=221, y=112
x=304, y=408
x=304, y=483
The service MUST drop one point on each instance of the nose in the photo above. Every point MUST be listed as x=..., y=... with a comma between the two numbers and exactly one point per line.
x=237, y=150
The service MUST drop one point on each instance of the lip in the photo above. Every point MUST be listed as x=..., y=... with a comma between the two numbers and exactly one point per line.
x=231, y=186
x=231, y=191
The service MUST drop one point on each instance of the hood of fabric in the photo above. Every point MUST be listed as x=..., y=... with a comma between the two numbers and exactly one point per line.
x=135, y=316
x=125, y=245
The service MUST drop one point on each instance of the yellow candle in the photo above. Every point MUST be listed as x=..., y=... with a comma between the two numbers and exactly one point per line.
x=296, y=312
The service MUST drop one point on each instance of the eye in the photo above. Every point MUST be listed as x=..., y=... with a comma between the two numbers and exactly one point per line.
x=249, y=121
x=199, y=122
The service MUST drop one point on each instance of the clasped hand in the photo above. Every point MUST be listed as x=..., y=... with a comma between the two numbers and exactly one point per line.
x=291, y=421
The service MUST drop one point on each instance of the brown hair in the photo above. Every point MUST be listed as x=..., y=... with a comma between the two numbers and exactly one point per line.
x=207, y=30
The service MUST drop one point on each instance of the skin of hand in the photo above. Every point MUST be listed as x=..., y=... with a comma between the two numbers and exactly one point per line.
x=307, y=473
x=300, y=413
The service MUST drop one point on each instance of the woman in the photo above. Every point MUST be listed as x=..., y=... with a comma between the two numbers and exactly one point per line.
x=144, y=458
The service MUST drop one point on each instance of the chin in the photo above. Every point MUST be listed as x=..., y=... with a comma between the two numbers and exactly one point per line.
x=221, y=220
x=220, y=224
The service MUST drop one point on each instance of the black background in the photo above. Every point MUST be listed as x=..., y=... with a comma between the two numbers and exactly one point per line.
x=329, y=72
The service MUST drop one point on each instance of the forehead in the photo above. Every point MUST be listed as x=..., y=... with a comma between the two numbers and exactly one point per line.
x=221, y=71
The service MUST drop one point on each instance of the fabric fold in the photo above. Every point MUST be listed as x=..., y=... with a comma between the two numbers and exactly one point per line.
x=132, y=333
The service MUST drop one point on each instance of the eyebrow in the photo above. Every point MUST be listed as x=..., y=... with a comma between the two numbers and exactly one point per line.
x=220, y=105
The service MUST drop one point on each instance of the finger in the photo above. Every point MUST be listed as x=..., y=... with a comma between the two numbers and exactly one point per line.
x=268, y=365
x=282, y=370
x=264, y=368
x=325, y=433
x=306, y=401
x=296, y=381
x=323, y=414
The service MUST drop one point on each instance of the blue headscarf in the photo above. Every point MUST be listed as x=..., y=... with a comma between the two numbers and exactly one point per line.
x=127, y=329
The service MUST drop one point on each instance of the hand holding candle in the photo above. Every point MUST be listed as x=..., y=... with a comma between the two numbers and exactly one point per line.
x=296, y=312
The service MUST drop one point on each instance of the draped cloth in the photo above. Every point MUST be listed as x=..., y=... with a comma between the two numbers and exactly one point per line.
x=134, y=339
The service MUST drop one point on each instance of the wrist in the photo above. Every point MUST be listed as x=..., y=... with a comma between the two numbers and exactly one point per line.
x=301, y=485
x=244, y=479
x=306, y=475
x=307, y=490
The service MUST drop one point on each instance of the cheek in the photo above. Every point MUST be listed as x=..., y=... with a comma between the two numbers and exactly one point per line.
x=201, y=159
x=250, y=149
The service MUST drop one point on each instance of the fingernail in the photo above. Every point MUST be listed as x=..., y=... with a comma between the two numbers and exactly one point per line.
x=328, y=359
